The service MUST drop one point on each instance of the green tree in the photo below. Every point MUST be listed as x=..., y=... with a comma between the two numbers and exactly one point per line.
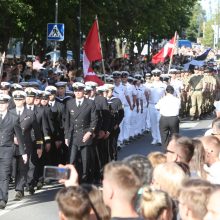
x=196, y=22
x=208, y=36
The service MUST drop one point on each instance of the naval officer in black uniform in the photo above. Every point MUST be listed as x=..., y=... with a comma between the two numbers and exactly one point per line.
x=80, y=123
x=9, y=126
x=27, y=119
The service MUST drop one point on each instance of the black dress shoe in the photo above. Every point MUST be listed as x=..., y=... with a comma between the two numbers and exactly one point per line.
x=31, y=190
x=2, y=204
x=39, y=185
x=192, y=119
x=19, y=195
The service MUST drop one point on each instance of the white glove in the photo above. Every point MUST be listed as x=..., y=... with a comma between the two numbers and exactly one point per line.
x=24, y=157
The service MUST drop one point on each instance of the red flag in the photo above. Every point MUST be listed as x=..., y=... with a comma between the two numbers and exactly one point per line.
x=164, y=52
x=92, y=52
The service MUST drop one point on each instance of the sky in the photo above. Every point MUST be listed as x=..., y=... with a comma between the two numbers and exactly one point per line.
x=210, y=7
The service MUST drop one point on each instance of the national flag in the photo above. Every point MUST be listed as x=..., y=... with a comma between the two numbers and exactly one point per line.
x=167, y=50
x=204, y=55
x=91, y=53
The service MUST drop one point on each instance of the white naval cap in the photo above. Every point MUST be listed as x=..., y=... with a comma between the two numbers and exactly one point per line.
x=60, y=84
x=18, y=95
x=91, y=83
x=156, y=71
x=51, y=89
x=5, y=85
x=4, y=98
x=102, y=88
x=31, y=92
x=16, y=86
x=109, y=86
x=78, y=85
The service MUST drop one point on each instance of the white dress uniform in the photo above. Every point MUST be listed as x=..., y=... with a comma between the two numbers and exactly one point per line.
x=120, y=92
x=156, y=91
x=141, y=121
x=147, y=85
x=178, y=86
x=128, y=122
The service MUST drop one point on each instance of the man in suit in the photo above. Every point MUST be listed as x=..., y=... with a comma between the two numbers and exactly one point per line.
x=27, y=118
x=80, y=123
x=9, y=126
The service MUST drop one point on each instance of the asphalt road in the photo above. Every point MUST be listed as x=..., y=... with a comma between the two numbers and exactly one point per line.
x=41, y=206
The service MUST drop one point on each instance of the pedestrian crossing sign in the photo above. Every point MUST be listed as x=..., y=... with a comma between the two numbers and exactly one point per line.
x=55, y=31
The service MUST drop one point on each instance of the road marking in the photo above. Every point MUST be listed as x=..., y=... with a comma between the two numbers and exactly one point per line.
x=188, y=124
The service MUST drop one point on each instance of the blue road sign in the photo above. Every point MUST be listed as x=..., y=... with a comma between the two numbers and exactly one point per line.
x=55, y=32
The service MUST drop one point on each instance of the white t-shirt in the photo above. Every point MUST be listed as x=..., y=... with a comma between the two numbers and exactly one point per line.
x=169, y=105
x=217, y=105
x=213, y=173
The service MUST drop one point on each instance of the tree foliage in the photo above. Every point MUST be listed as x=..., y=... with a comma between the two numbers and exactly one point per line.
x=133, y=20
x=196, y=22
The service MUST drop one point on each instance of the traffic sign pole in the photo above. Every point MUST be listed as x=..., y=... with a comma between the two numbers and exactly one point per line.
x=55, y=43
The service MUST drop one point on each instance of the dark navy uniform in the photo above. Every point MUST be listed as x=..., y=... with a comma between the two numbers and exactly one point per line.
x=25, y=172
x=79, y=121
x=117, y=115
x=9, y=126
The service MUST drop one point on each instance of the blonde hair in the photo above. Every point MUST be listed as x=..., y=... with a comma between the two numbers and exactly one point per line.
x=123, y=177
x=170, y=177
x=74, y=203
x=194, y=194
x=156, y=158
x=153, y=203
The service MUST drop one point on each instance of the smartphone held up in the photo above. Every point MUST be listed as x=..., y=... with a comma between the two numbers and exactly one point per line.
x=56, y=173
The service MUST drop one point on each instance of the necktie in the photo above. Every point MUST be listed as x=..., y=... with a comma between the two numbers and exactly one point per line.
x=1, y=118
x=79, y=103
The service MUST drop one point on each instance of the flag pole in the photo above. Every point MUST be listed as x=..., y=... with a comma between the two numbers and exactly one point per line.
x=171, y=58
x=2, y=63
x=103, y=65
